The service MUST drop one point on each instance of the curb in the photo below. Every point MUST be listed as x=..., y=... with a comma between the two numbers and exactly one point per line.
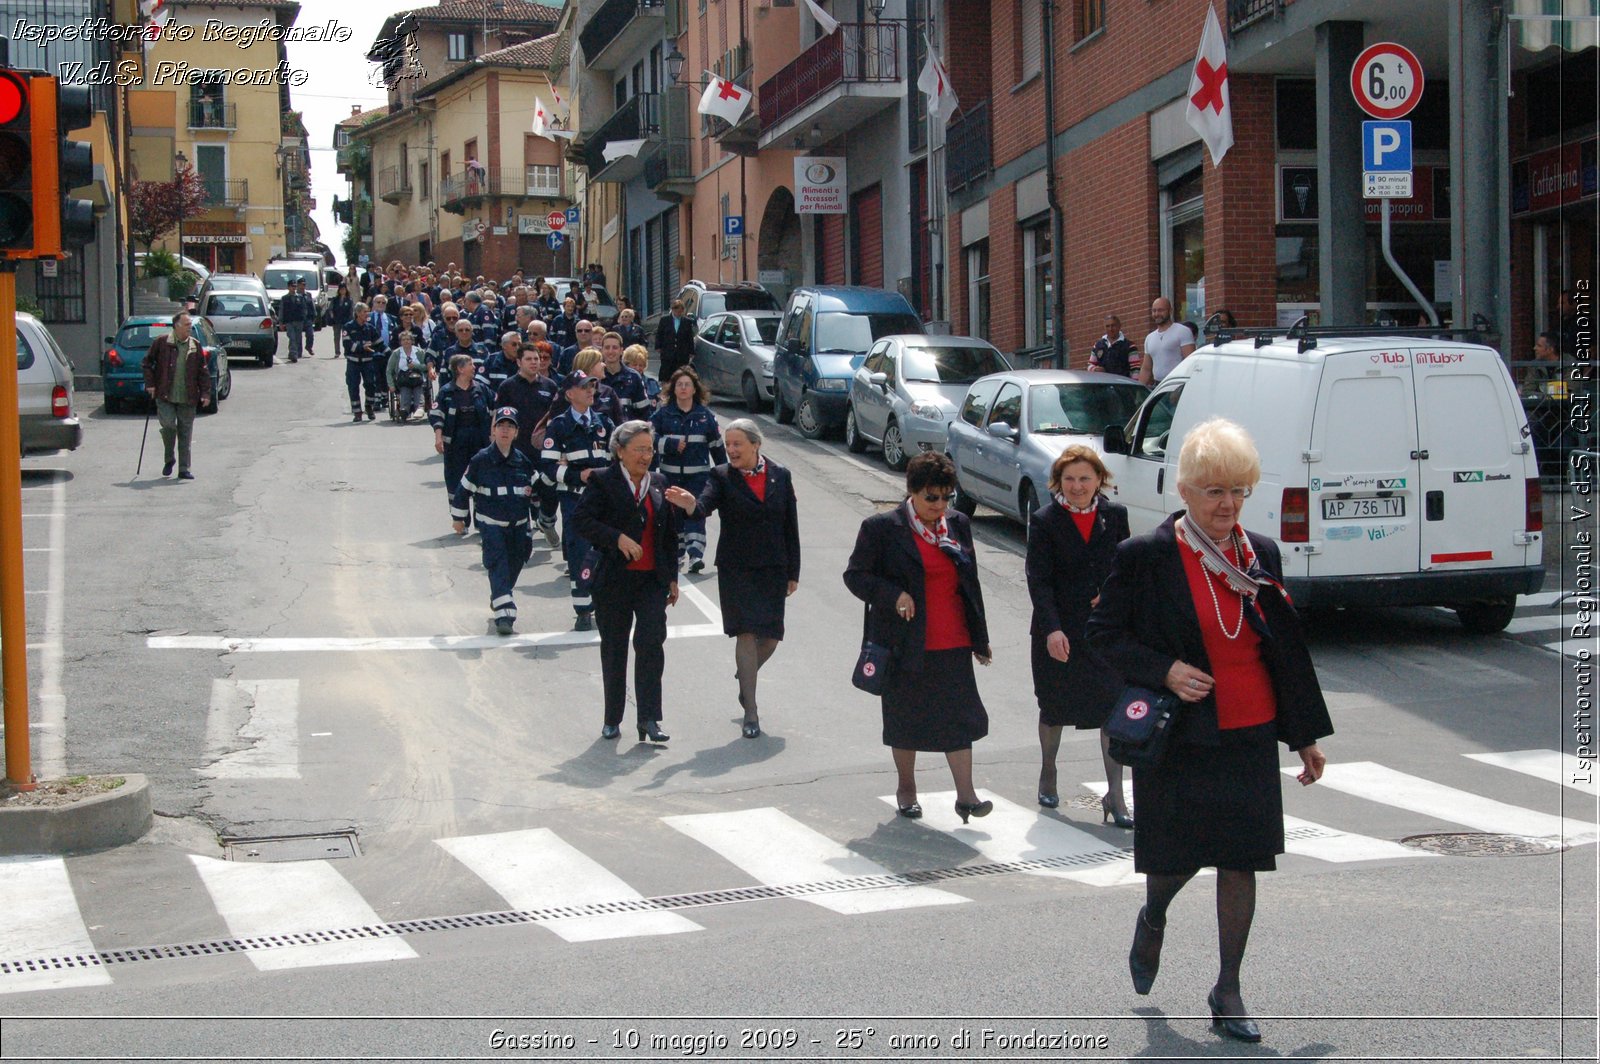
x=106, y=820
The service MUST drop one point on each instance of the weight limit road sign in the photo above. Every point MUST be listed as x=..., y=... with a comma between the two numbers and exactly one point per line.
x=1387, y=80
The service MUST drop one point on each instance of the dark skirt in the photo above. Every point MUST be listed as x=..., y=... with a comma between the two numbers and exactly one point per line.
x=1211, y=806
x=752, y=600
x=1079, y=691
x=936, y=708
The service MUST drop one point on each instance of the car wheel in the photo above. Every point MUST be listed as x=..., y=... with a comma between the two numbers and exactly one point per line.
x=751, y=392
x=1027, y=504
x=780, y=409
x=265, y=360
x=1486, y=618
x=964, y=503
x=894, y=448
x=854, y=442
x=227, y=388
x=808, y=419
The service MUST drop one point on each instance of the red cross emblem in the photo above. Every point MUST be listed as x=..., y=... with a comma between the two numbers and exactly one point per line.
x=1212, y=81
x=729, y=91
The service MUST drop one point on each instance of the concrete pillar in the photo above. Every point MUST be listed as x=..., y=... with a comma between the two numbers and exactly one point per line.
x=1479, y=209
x=1341, y=230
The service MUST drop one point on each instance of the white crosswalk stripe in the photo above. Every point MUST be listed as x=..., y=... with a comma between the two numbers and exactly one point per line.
x=776, y=849
x=39, y=918
x=536, y=869
x=1549, y=765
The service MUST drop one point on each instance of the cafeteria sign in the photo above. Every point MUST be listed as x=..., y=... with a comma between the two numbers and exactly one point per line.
x=819, y=185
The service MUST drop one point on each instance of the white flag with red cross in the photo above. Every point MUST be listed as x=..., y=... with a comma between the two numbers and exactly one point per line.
x=1209, y=111
x=935, y=83
x=725, y=100
x=158, y=12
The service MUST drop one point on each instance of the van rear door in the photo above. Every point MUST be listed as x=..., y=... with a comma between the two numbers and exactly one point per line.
x=1475, y=461
x=1364, y=497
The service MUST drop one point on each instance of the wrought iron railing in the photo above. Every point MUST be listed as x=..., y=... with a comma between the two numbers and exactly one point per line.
x=638, y=119
x=669, y=163
x=606, y=24
x=226, y=192
x=1242, y=13
x=213, y=114
x=968, y=148
x=859, y=52
x=392, y=181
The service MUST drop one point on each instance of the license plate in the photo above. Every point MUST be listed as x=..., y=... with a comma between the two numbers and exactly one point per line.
x=1370, y=506
x=238, y=345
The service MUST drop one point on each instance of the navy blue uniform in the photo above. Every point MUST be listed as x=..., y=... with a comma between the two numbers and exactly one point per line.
x=360, y=369
x=563, y=331
x=570, y=446
x=688, y=444
x=477, y=352
x=497, y=368
x=532, y=400
x=629, y=386
x=495, y=488
x=463, y=416
x=485, y=325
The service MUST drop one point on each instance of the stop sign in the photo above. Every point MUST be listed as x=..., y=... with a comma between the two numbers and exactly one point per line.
x=556, y=220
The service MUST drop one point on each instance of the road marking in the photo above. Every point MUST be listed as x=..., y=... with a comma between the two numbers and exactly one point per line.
x=263, y=900
x=1543, y=598
x=56, y=514
x=42, y=920
x=536, y=869
x=1377, y=783
x=778, y=850
x=1012, y=833
x=265, y=712
x=703, y=602
x=301, y=645
x=1581, y=649
x=52, y=702
x=37, y=550
x=1552, y=766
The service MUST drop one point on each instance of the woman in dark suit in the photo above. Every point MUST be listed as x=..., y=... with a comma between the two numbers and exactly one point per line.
x=915, y=569
x=1197, y=607
x=625, y=515
x=758, y=552
x=1070, y=545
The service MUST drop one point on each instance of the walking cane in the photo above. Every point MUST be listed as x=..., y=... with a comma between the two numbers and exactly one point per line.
x=140, y=467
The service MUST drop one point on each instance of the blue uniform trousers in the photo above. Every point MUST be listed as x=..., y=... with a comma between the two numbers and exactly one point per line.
x=358, y=374
x=573, y=548
x=691, y=533
x=457, y=456
x=505, y=551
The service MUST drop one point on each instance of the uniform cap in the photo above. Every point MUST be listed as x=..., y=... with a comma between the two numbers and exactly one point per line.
x=507, y=413
x=578, y=378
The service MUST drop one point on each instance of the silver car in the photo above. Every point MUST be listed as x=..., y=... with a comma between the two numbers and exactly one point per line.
x=1012, y=426
x=908, y=390
x=733, y=355
x=243, y=322
x=46, y=401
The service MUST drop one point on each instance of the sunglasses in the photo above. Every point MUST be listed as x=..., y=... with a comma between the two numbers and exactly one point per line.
x=931, y=497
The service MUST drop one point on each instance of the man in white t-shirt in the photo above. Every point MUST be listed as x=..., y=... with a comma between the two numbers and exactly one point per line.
x=1168, y=344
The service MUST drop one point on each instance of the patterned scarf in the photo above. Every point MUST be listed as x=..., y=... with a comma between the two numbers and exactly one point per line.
x=642, y=491
x=938, y=536
x=760, y=469
x=1216, y=561
x=1071, y=509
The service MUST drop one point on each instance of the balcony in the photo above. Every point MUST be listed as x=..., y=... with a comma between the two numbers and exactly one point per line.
x=619, y=29
x=638, y=119
x=968, y=155
x=470, y=188
x=222, y=192
x=668, y=171
x=1242, y=13
x=836, y=84
x=213, y=114
x=394, y=184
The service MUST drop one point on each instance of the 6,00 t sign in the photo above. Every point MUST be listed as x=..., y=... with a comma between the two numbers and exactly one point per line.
x=1387, y=80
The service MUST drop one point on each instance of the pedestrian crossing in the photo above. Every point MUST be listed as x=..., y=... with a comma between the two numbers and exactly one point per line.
x=1558, y=621
x=582, y=885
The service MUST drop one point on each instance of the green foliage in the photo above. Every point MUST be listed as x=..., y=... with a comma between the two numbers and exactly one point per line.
x=29, y=305
x=162, y=263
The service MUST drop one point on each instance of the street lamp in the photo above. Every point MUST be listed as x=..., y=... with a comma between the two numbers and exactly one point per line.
x=183, y=162
x=675, y=60
x=878, y=7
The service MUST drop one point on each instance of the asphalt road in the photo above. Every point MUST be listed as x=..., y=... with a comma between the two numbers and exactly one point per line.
x=295, y=643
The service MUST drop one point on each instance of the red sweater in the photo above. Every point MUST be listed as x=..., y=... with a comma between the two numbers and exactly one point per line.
x=1244, y=686
x=758, y=483
x=647, y=560
x=946, y=615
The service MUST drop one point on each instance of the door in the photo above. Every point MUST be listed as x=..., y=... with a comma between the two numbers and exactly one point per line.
x=872, y=400
x=723, y=336
x=211, y=166
x=994, y=464
x=1365, y=499
x=794, y=350
x=1151, y=473
x=966, y=435
x=1474, y=467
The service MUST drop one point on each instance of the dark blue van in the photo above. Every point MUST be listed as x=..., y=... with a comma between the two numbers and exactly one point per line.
x=824, y=337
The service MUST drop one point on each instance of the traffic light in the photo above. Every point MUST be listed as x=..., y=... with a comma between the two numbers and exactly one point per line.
x=75, y=167
x=38, y=166
x=16, y=162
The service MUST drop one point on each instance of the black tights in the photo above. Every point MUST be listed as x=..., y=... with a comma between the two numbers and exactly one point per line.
x=1236, y=908
x=750, y=652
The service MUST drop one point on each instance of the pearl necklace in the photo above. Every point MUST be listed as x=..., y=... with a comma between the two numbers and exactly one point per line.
x=1216, y=605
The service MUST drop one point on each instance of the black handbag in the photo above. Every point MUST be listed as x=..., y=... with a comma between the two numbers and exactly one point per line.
x=1140, y=725
x=872, y=664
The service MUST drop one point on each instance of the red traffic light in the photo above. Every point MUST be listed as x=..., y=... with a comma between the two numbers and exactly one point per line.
x=13, y=97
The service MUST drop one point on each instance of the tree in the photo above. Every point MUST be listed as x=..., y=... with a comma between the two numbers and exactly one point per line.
x=155, y=208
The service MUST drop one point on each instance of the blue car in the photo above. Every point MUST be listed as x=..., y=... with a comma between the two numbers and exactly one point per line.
x=122, y=368
x=825, y=336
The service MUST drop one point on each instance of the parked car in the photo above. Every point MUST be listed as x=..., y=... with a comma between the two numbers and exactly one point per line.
x=908, y=390
x=826, y=333
x=602, y=309
x=192, y=265
x=704, y=299
x=46, y=401
x=733, y=355
x=243, y=322
x=280, y=273
x=122, y=368
x=1013, y=425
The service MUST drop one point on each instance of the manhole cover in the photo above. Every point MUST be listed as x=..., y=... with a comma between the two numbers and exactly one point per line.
x=292, y=847
x=1484, y=844
x=1085, y=801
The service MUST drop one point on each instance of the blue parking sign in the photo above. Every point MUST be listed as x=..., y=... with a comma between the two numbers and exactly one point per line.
x=733, y=225
x=573, y=214
x=1386, y=147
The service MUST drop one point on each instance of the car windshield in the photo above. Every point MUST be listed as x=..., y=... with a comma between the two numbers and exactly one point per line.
x=1061, y=408
x=281, y=277
x=601, y=296
x=716, y=302
x=854, y=333
x=950, y=365
x=766, y=328
x=139, y=337
x=238, y=305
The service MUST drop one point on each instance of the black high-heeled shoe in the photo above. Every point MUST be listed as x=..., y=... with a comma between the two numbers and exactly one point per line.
x=652, y=730
x=751, y=729
x=1108, y=812
x=1144, y=968
x=1049, y=801
x=910, y=812
x=1239, y=1028
x=966, y=809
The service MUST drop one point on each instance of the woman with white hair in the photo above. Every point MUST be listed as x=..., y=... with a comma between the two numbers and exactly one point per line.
x=1197, y=607
x=758, y=551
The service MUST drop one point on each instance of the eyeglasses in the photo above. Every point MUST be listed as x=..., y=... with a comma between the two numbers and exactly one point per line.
x=1215, y=494
x=931, y=498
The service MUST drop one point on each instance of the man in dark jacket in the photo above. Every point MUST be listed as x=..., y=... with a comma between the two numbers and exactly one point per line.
x=674, y=342
x=175, y=378
x=1114, y=352
x=294, y=311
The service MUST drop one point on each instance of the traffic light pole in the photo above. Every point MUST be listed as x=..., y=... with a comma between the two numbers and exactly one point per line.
x=13, y=614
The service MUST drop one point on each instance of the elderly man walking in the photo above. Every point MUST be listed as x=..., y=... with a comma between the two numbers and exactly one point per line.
x=175, y=378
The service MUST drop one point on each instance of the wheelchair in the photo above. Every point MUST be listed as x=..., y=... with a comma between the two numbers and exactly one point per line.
x=402, y=411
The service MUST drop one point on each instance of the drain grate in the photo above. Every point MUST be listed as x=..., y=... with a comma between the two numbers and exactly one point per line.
x=104, y=958
x=1485, y=844
x=292, y=847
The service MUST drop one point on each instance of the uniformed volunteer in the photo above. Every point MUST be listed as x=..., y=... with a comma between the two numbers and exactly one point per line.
x=465, y=345
x=576, y=445
x=460, y=419
x=495, y=490
x=502, y=362
x=360, y=371
x=628, y=384
x=688, y=444
x=530, y=392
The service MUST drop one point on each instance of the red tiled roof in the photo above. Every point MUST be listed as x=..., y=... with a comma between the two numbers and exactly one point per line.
x=497, y=11
x=371, y=114
x=275, y=5
x=537, y=52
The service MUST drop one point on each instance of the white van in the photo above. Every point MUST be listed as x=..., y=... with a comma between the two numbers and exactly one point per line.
x=1395, y=471
x=280, y=273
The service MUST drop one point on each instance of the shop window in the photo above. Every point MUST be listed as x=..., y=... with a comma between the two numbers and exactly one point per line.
x=1297, y=114
x=978, y=290
x=1038, y=285
x=1560, y=98
x=1183, y=248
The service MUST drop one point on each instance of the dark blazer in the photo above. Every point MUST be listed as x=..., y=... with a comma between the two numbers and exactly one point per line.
x=1064, y=572
x=608, y=510
x=675, y=345
x=1146, y=619
x=756, y=533
x=887, y=561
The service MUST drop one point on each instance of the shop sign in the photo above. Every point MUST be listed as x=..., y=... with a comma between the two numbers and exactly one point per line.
x=1429, y=200
x=469, y=231
x=532, y=225
x=1554, y=177
x=819, y=185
